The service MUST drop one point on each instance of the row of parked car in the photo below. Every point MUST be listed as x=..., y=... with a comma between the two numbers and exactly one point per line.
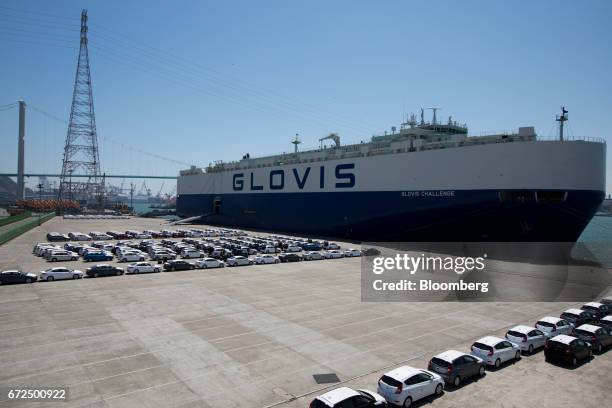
x=146, y=234
x=569, y=338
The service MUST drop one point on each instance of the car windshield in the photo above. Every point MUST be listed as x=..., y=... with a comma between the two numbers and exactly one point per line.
x=586, y=333
x=545, y=324
x=516, y=334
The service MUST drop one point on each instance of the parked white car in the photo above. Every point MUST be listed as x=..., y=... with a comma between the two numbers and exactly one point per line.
x=348, y=397
x=313, y=256
x=495, y=351
x=209, y=263
x=527, y=338
x=190, y=253
x=62, y=255
x=270, y=249
x=162, y=255
x=142, y=267
x=293, y=248
x=132, y=256
x=553, y=326
x=333, y=254
x=266, y=259
x=238, y=261
x=99, y=236
x=60, y=273
x=404, y=385
x=352, y=252
x=332, y=245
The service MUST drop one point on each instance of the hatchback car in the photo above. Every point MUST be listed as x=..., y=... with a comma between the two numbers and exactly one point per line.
x=599, y=337
x=266, y=259
x=209, y=263
x=142, y=267
x=598, y=310
x=60, y=273
x=495, y=351
x=103, y=270
x=527, y=338
x=15, y=276
x=567, y=349
x=577, y=317
x=605, y=322
x=178, y=265
x=238, y=260
x=348, y=397
x=454, y=366
x=405, y=385
x=553, y=326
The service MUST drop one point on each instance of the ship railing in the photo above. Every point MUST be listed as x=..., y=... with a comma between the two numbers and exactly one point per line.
x=290, y=158
x=572, y=139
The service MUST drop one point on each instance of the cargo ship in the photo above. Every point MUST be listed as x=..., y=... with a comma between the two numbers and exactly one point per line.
x=426, y=181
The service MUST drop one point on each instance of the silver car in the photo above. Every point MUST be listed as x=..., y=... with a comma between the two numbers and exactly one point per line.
x=527, y=338
x=495, y=351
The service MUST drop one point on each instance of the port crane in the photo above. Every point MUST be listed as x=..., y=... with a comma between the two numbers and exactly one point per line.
x=331, y=136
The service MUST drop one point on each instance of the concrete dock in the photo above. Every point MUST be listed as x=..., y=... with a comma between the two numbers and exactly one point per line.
x=250, y=336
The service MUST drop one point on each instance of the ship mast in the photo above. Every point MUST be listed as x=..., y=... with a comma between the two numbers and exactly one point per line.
x=561, y=119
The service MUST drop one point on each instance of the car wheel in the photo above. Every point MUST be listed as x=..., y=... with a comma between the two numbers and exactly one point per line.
x=517, y=356
x=117, y=273
x=136, y=271
x=96, y=275
x=457, y=381
x=142, y=259
x=49, y=278
x=123, y=260
x=53, y=259
x=530, y=349
x=276, y=261
x=574, y=361
x=28, y=280
x=439, y=389
x=408, y=402
x=192, y=267
x=497, y=363
x=73, y=258
x=173, y=269
x=481, y=371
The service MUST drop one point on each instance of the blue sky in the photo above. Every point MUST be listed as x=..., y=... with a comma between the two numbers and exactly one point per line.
x=200, y=81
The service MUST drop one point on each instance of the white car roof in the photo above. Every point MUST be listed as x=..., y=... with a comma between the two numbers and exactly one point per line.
x=522, y=329
x=564, y=338
x=607, y=318
x=403, y=372
x=449, y=355
x=588, y=327
x=10, y=271
x=550, y=319
x=574, y=311
x=333, y=397
x=490, y=340
x=594, y=304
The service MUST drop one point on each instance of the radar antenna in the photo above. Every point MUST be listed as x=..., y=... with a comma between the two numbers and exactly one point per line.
x=435, y=119
x=296, y=142
x=331, y=136
x=561, y=119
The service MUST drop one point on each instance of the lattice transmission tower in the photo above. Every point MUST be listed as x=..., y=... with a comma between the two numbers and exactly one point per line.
x=81, y=150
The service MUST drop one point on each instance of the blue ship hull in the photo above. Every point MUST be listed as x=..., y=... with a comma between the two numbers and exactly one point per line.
x=468, y=216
